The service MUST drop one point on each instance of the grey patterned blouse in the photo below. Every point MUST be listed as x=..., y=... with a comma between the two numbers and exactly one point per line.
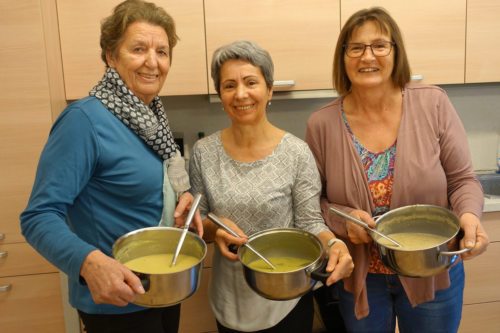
x=281, y=190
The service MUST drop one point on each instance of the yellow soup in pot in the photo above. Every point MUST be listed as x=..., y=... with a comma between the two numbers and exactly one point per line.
x=282, y=264
x=413, y=240
x=160, y=263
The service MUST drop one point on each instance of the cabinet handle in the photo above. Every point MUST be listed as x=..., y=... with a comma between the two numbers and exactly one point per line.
x=284, y=83
x=3, y=254
x=417, y=77
x=5, y=287
x=2, y=236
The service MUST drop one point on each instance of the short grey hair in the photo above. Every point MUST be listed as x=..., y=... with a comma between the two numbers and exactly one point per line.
x=242, y=50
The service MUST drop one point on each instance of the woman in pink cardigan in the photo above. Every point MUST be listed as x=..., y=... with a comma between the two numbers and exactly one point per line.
x=386, y=143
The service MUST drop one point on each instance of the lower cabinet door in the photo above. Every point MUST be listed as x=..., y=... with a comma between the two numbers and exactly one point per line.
x=481, y=317
x=481, y=277
x=31, y=303
x=196, y=314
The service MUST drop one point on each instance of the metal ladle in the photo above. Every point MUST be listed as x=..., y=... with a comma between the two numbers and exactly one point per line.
x=192, y=210
x=364, y=225
x=221, y=224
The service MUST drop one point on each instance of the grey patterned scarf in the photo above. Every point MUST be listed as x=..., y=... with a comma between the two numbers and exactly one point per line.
x=149, y=122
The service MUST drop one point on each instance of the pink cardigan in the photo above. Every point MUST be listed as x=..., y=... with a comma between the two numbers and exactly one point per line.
x=433, y=166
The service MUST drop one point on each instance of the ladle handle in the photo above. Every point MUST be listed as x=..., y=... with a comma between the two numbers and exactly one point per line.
x=221, y=224
x=363, y=224
x=192, y=211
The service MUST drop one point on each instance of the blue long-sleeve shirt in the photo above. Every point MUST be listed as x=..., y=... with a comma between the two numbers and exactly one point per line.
x=96, y=180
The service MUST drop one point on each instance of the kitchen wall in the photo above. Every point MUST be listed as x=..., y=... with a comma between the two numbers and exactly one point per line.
x=478, y=105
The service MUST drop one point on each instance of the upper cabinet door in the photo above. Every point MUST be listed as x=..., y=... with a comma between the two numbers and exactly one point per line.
x=300, y=36
x=483, y=34
x=433, y=32
x=25, y=109
x=79, y=25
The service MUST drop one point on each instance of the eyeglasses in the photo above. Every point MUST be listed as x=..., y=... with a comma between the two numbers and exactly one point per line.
x=379, y=49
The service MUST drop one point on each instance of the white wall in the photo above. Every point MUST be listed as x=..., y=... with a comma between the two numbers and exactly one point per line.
x=478, y=105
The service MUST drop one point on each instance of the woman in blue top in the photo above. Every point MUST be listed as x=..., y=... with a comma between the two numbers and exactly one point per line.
x=101, y=174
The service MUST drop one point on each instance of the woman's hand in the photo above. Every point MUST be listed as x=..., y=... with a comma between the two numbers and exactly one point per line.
x=356, y=233
x=182, y=209
x=109, y=281
x=340, y=263
x=475, y=238
x=225, y=239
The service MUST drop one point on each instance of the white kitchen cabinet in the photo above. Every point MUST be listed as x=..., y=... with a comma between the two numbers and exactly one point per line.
x=79, y=26
x=433, y=32
x=299, y=35
x=483, y=34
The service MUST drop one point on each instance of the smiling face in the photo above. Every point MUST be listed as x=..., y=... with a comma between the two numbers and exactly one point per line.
x=142, y=59
x=243, y=92
x=369, y=71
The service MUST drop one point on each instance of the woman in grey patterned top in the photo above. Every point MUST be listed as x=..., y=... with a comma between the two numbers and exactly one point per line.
x=256, y=176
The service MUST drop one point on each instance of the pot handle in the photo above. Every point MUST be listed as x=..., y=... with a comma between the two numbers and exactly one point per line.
x=319, y=273
x=145, y=281
x=452, y=253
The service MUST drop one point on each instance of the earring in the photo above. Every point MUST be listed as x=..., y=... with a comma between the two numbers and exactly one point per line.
x=269, y=103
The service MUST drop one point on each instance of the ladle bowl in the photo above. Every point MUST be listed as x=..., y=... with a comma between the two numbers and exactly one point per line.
x=221, y=224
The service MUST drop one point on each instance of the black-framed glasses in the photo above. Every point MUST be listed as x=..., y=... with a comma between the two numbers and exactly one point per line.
x=379, y=49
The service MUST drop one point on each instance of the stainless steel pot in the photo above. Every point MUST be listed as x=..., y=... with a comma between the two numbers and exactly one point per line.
x=162, y=289
x=425, y=261
x=287, y=242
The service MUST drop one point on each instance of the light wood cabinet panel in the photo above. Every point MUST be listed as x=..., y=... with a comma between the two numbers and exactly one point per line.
x=196, y=313
x=79, y=25
x=482, y=276
x=299, y=35
x=483, y=317
x=207, y=262
x=53, y=54
x=483, y=33
x=33, y=304
x=481, y=295
x=22, y=259
x=197, y=306
x=23, y=104
x=11, y=206
x=433, y=32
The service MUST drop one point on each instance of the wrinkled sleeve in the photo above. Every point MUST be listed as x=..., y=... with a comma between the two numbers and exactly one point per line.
x=315, y=137
x=464, y=190
x=196, y=178
x=65, y=166
x=306, y=194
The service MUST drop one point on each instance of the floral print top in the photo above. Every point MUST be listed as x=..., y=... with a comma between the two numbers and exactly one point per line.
x=379, y=169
